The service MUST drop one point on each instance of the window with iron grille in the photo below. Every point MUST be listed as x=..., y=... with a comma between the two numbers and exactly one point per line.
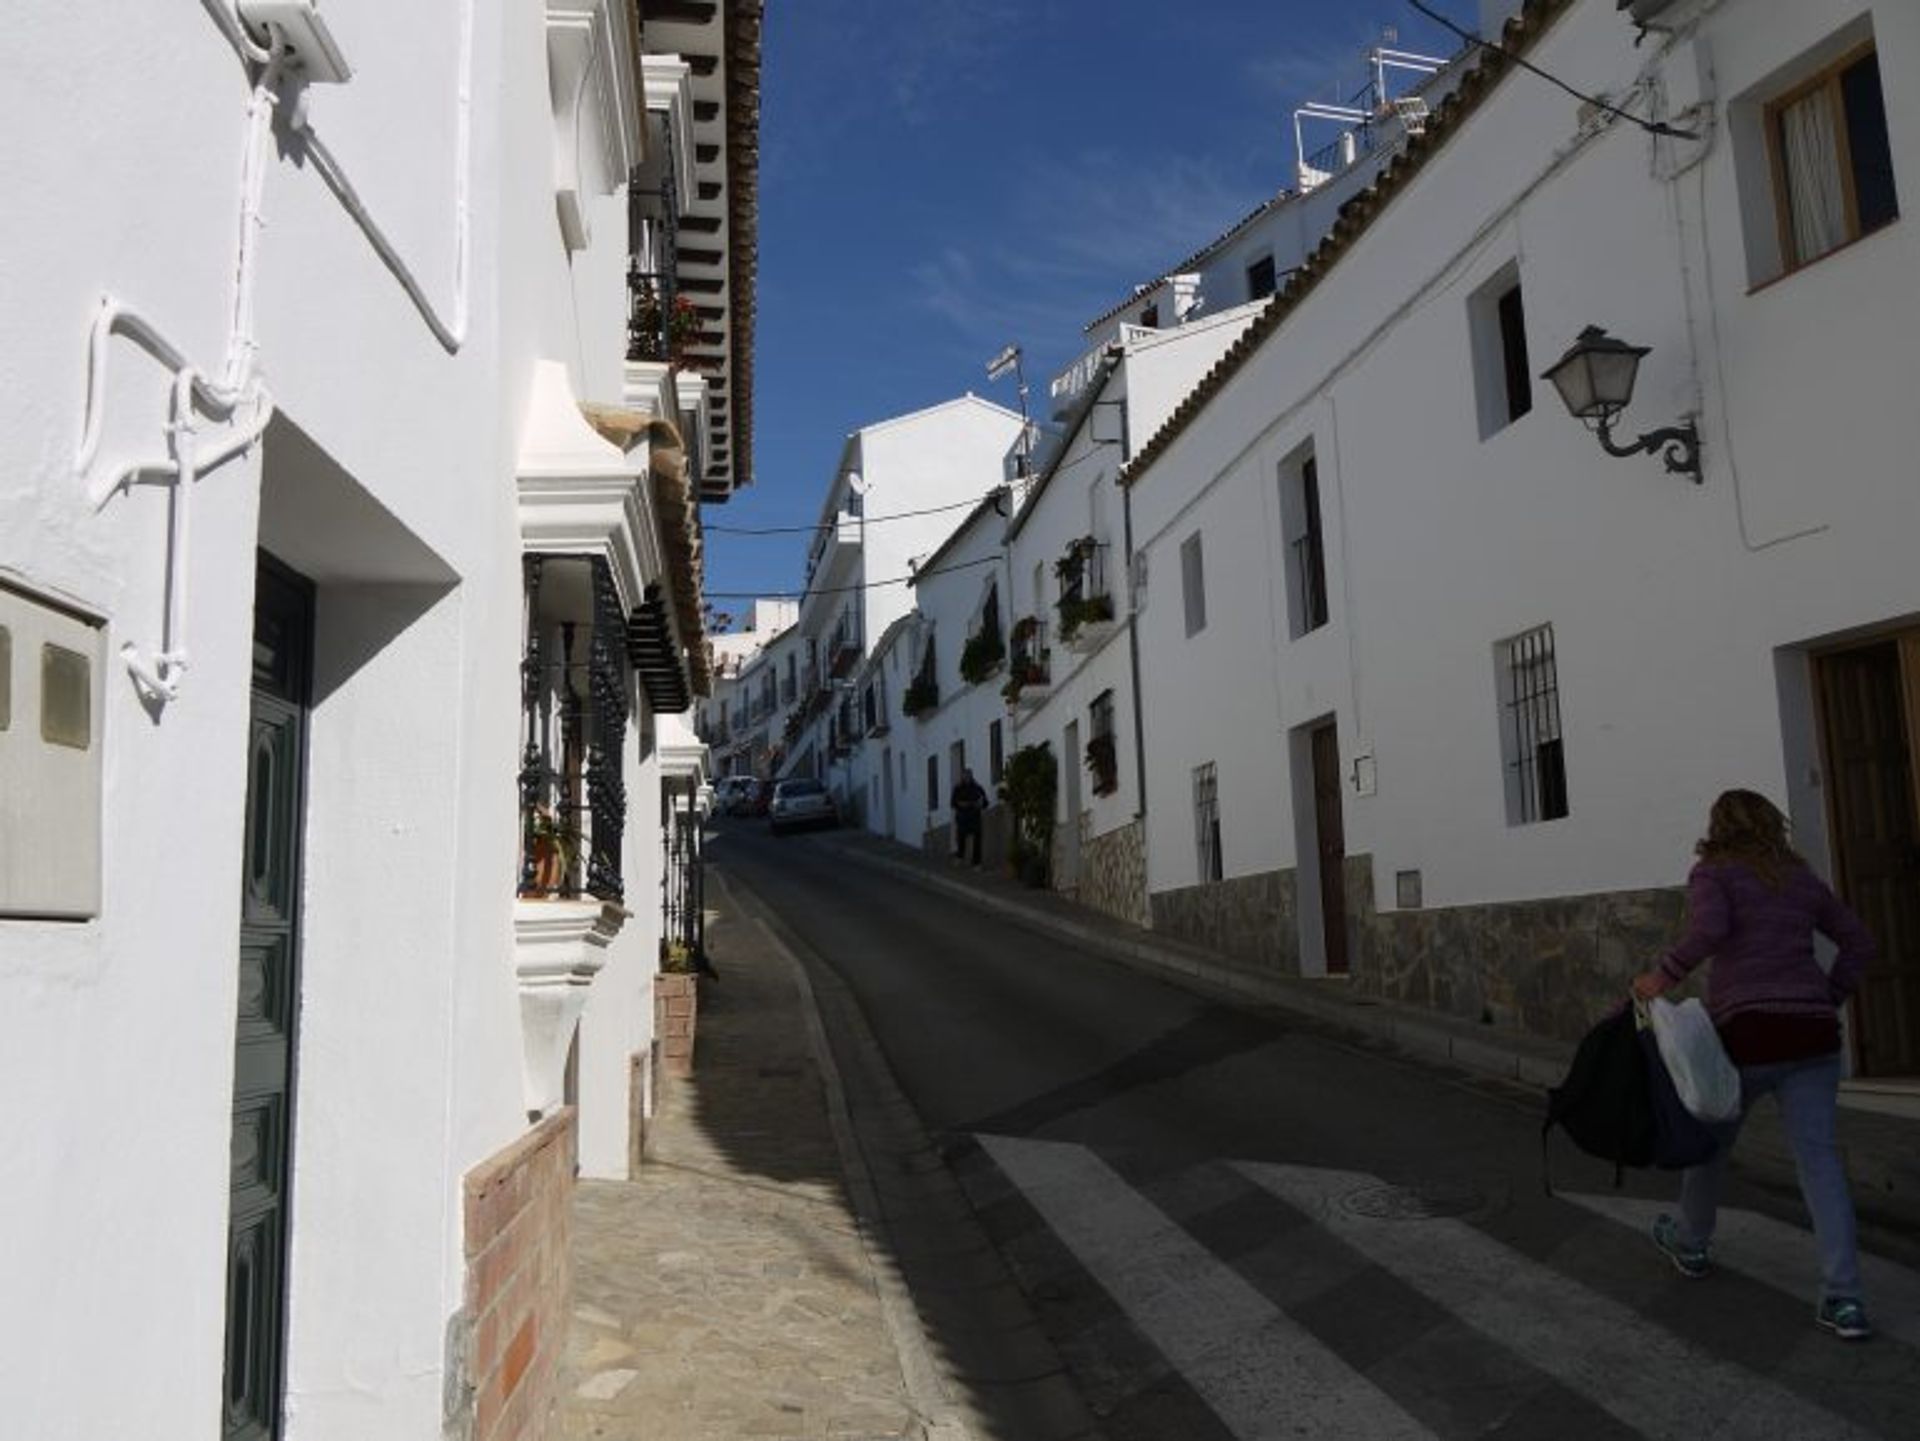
x=1305, y=561
x=1530, y=740
x=933, y=783
x=996, y=753
x=1206, y=820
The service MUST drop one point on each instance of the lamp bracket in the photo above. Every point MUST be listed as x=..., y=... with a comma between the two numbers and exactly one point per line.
x=1677, y=445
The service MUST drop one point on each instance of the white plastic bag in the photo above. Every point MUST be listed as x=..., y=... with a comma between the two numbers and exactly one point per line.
x=1707, y=1081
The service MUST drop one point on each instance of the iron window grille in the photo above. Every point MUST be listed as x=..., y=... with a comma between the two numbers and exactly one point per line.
x=1535, y=753
x=573, y=800
x=1206, y=820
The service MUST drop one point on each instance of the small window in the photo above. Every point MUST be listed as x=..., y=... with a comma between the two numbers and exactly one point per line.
x=1531, y=742
x=1150, y=317
x=1260, y=277
x=1206, y=820
x=1832, y=161
x=6, y=677
x=1497, y=323
x=996, y=753
x=66, y=698
x=933, y=782
x=1305, y=560
x=1193, y=583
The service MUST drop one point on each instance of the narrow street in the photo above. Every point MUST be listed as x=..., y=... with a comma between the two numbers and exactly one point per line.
x=1227, y=1223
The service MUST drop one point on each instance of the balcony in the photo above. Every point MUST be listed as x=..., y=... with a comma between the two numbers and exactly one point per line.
x=1030, y=671
x=841, y=536
x=1085, y=605
x=573, y=727
x=843, y=649
x=662, y=325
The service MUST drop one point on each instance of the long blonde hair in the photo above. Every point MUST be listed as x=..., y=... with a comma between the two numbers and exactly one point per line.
x=1747, y=827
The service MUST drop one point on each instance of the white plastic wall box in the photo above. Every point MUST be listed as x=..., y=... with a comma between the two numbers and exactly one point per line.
x=52, y=694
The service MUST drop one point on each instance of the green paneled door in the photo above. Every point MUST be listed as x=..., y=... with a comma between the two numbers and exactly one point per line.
x=269, y=1005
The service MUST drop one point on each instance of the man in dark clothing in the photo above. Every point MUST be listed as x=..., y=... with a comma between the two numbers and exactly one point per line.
x=969, y=803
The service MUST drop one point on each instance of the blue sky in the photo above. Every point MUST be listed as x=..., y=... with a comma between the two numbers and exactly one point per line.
x=939, y=178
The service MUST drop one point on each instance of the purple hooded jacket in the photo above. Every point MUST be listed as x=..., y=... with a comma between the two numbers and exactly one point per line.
x=1761, y=942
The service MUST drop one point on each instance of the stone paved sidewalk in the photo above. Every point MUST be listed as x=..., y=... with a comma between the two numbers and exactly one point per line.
x=729, y=1293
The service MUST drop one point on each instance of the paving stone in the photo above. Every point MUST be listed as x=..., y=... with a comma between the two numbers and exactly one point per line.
x=728, y=1291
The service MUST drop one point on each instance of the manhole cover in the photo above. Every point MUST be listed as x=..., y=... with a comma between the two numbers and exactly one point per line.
x=1421, y=1201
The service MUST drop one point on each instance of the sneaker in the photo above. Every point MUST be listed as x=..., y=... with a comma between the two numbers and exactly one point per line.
x=1690, y=1261
x=1845, y=1317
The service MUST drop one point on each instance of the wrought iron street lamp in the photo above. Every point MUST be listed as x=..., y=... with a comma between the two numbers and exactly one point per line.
x=1595, y=380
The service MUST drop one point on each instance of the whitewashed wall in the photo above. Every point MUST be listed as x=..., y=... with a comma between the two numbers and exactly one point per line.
x=1672, y=606
x=385, y=482
x=950, y=597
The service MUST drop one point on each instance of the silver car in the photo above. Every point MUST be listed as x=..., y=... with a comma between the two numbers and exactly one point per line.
x=799, y=803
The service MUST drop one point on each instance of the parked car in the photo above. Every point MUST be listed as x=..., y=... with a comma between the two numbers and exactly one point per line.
x=736, y=795
x=800, y=803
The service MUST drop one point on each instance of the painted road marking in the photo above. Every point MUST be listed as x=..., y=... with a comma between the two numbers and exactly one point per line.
x=1259, y=1371
x=1652, y=1380
x=1783, y=1257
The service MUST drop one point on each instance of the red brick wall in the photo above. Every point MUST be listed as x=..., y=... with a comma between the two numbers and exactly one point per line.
x=675, y=1009
x=518, y=1228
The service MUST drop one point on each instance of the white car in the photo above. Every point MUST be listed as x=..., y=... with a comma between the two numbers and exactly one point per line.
x=798, y=803
x=735, y=795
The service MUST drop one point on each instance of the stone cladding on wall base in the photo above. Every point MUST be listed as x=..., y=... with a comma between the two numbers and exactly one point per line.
x=1547, y=967
x=1544, y=967
x=1251, y=918
x=519, y=1210
x=1113, y=873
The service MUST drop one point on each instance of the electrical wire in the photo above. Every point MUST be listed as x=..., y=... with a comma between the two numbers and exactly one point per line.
x=1652, y=127
x=913, y=579
x=830, y=524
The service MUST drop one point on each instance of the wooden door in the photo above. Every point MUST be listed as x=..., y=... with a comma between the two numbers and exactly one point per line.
x=1865, y=712
x=268, y=1008
x=1331, y=845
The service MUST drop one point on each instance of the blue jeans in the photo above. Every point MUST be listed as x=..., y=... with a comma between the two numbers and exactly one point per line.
x=1809, y=1092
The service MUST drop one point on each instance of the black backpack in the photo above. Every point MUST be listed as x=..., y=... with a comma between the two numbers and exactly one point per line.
x=1605, y=1103
x=1618, y=1103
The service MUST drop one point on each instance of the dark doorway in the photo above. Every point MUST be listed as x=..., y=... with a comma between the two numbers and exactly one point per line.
x=1331, y=844
x=269, y=1004
x=1867, y=712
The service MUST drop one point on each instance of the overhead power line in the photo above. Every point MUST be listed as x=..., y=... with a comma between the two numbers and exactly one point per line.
x=847, y=589
x=867, y=520
x=1652, y=127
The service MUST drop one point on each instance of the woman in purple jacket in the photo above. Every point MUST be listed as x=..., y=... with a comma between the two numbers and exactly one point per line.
x=1752, y=908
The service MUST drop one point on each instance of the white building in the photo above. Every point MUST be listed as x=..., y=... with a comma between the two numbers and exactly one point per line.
x=720, y=718
x=1449, y=689
x=319, y=356
x=896, y=494
x=952, y=714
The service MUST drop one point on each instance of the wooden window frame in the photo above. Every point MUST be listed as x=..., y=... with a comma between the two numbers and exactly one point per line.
x=1826, y=78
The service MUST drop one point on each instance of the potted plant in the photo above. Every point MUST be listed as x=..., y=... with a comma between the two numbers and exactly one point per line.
x=553, y=845
x=1028, y=787
x=922, y=695
x=981, y=655
x=1077, y=611
x=1104, y=762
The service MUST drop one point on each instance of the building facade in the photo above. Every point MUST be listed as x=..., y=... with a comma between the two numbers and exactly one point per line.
x=350, y=555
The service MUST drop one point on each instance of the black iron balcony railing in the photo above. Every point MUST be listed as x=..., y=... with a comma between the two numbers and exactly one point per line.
x=573, y=802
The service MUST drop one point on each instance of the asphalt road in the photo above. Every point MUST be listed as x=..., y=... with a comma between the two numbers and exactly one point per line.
x=1231, y=1224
